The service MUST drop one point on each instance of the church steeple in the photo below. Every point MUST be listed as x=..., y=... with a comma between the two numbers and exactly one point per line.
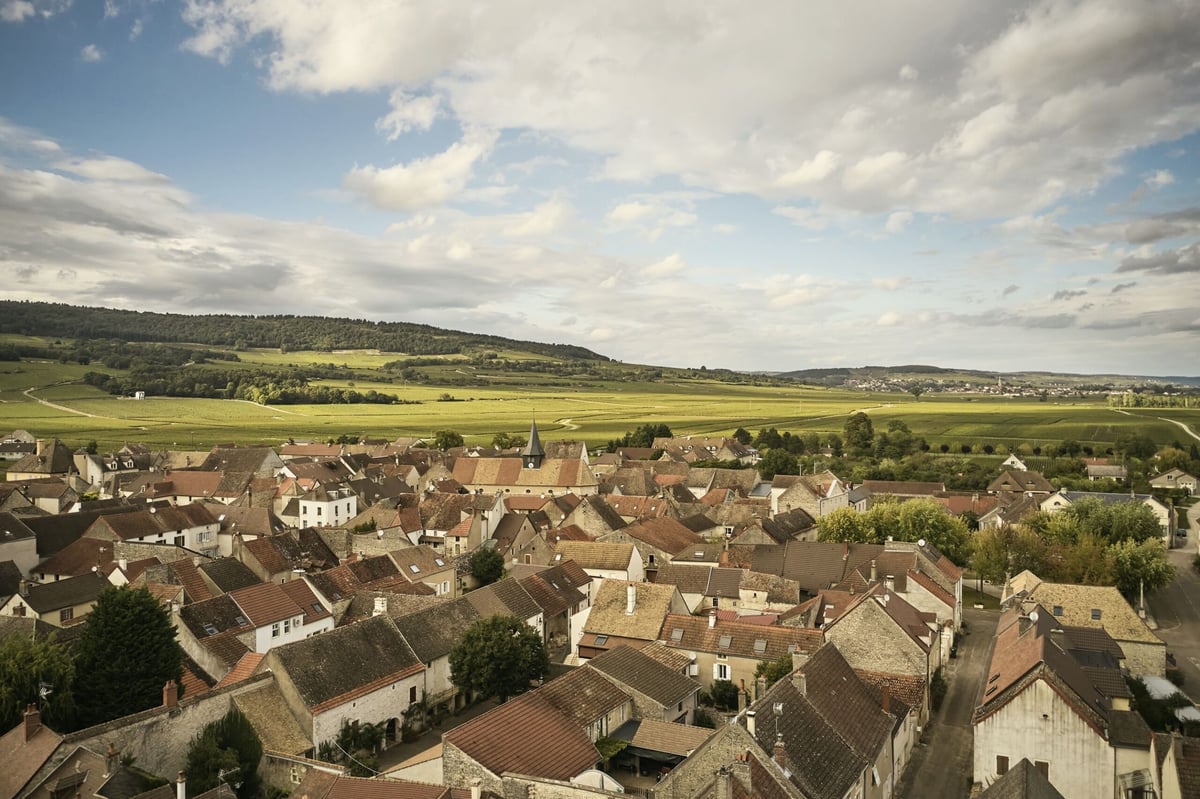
x=533, y=454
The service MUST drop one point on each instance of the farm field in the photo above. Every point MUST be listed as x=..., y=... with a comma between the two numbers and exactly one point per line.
x=593, y=410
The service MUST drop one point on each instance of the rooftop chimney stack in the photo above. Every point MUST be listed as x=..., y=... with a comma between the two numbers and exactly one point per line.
x=630, y=599
x=712, y=618
x=380, y=606
x=800, y=682
x=170, y=695
x=33, y=721
x=750, y=714
x=180, y=787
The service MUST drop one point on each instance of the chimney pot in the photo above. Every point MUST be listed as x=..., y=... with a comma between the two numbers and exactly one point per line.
x=170, y=695
x=750, y=714
x=712, y=618
x=630, y=599
x=180, y=787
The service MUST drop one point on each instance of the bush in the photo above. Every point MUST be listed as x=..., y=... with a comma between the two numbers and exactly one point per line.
x=724, y=695
x=937, y=689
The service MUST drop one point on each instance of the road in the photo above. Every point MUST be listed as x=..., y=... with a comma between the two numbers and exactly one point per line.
x=941, y=765
x=1176, y=609
x=29, y=393
x=1186, y=429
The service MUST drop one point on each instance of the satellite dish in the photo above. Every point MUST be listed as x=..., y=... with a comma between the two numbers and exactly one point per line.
x=1033, y=616
x=921, y=542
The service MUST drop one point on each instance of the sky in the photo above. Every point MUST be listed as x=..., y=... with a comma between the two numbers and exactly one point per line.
x=768, y=186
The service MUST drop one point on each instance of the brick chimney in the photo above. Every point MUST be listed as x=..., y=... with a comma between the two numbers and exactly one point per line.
x=780, y=754
x=33, y=721
x=170, y=695
x=886, y=699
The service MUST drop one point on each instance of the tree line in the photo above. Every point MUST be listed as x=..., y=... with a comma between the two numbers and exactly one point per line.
x=269, y=331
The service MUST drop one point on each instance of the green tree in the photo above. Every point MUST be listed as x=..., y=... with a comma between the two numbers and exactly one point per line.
x=447, y=439
x=507, y=441
x=845, y=524
x=999, y=553
x=127, y=652
x=724, y=695
x=1140, y=565
x=498, y=657
x=355, y=746
x=778, y=461
x=774, y=670
x=228, y=746
x=858, y=433
x=916, y=390
x=742, y=435
x=487, y=565
x=927, y=519
x=30, y=667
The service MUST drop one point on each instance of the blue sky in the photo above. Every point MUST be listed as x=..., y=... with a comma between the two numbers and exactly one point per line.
x=996, y=186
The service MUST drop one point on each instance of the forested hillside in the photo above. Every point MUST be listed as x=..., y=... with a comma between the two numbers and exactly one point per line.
x=284, y=331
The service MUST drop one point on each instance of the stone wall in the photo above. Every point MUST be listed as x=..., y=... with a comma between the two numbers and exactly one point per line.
x=460, y=771
x=158, y=738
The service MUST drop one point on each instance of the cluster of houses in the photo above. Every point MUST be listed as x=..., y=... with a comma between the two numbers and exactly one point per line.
x=314, y=586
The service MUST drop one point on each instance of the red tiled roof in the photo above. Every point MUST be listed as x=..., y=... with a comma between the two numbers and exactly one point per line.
x=243, y=669
x=526, y=735
x=266, y=603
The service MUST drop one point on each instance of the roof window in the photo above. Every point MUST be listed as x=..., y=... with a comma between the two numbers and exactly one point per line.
x=760, y=646
x=677, y=634
x=414, y=568
x=1095, y=614
x=725, y=641
x=601, y=640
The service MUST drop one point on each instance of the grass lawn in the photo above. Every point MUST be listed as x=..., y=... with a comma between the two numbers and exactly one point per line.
x=971, y=597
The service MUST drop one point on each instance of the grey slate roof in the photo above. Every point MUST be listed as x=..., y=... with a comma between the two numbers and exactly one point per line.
x=47, y=597
x=433, y=631
x=229, y=574
x=337, y=662
x=632, y=668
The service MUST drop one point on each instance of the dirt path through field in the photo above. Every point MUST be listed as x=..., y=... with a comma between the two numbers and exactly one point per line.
x=1186, y=429
x=29, y=393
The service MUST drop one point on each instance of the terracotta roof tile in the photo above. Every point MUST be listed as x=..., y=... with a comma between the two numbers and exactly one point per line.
x=265, y=604
x=739, y=638
x=526, y=735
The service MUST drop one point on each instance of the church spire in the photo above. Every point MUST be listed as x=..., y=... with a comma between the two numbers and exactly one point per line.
x=533, y=454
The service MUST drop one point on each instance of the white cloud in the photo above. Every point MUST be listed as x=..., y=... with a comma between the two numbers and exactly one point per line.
x=91, y=53
x=898, y=221
x=891, y=283
x=725, y=228
x=889, y=319
x=136, y=29
x=545, y=220
x=1159, y=178
x=16, y=10
x=652, y=215
x=810, y=218
x=408, y=113
x=978, y=130
x=670, y=265
x=424, y=182
x=814, y=170
x=109, y=168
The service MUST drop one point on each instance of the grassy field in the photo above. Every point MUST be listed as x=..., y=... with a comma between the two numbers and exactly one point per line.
x=593, y=410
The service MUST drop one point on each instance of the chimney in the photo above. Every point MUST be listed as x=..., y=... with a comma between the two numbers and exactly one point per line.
x=712, y=618
x=110, y=757
x=123, y=563
x=630, y=599
x=873, y=577
x=24, y=587
x=33, y=721
x=724, y=780
x=741, y=696
x=780, y=754
x=800, y=682
x=380, y=606
x=41, y=447
x=180, y=787
x=476, y=791
x=885, y=699
x=750, y=722
x=170, y=695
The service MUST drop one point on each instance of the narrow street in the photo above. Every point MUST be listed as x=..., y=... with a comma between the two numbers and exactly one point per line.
x=941, y=764
x=1176, y=609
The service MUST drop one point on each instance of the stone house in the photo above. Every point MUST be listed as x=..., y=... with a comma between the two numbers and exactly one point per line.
x=732, y=650
x=1099, y=607
x=60, y=604
x=879, y=631
x=826, y=730
x=625, y=613
x=191, y=527
x=658, y=691
x=602, y=561
x=1174, y=478
x=361, y=672
x=1058, y=700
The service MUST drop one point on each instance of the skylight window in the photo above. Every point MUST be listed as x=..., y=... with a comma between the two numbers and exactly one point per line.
x=725, y=641
x=677, y=634
x=439, y=561
x=760, y=646
x=211, y=630
x=601, y=640
x=1095, y=614
x=241, y=620
x=414, y=568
